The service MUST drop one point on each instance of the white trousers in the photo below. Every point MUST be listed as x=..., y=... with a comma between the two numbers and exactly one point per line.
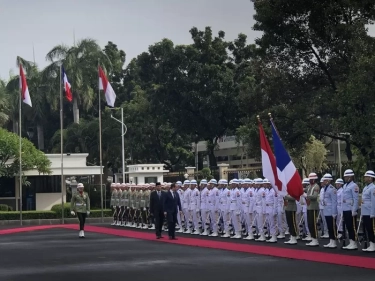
x=325, y=228
x=205, y=218
x=226, y=219
x=215, y=216
x=339, y=222
x=281, y=222
x=235, y=216
x=272, y=223
x=187, y=217
x=305, y=224
x=260, y=222
x=194, y=215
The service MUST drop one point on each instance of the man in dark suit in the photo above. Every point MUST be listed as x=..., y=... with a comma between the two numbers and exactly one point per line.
x=171, y=202
x=156, y=209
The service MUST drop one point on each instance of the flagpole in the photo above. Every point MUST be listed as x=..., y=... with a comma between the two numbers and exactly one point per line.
x=20, y=160
x=100, y=149
x=273, y=124
x=62, y=147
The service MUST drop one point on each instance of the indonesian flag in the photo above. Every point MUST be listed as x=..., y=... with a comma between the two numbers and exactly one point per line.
x=104, y=85
x=67, y=86
x=287, y=172
x=268, y=161
x=24, y=88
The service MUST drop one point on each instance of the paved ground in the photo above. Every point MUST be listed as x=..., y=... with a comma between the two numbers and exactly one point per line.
x=57, y=254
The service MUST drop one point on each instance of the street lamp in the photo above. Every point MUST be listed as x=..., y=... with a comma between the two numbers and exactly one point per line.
x=124, y=129
x=131, y=180
x=339, y=151
x=186, y=176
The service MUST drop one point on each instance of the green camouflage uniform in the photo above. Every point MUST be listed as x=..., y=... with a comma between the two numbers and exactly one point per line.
x=80, y=203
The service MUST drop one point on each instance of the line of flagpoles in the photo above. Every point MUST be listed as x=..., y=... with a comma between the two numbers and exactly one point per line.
x=110, y=96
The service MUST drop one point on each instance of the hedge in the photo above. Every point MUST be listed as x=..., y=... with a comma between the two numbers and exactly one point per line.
x=4, y=208
x=35, y=215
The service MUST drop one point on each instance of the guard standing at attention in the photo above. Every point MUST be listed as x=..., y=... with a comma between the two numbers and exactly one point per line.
x=80, y=205
x=312, y=196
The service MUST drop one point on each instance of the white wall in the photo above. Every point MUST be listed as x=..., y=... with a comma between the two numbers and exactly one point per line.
x=141, y=177
x=45, y=201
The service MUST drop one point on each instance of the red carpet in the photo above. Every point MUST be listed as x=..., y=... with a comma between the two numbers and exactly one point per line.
x=339, y=259
x=26, y=229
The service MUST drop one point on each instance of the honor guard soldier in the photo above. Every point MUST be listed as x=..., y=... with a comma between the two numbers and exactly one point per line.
x=312, y=196
x=329, y=202
x=350, y=204
x=339, y=221
x=122, y=205
x=117, y=202
x=113, y=202
x=290, y=208
x=147, y=193
x=80, y=205
x=304, y=226
x=368, y=210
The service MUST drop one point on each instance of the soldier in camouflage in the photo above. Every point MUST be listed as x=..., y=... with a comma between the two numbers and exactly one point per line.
x=80, y=205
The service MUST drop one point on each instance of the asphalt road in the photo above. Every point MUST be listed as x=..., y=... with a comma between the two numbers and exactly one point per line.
x=58, y=254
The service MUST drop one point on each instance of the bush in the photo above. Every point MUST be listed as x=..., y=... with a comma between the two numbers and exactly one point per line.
x=27, y=215
x=35, y=215
x=57, y=209
x=5, y=208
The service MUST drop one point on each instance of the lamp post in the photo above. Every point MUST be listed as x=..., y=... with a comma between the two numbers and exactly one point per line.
x=131, y=180
x=186, y=176
x=124, y=129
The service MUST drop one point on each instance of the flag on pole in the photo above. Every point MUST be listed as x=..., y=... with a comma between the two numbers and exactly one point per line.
x=24, y=88
x=268, y=160
x=67, y=86
x=104, y=85
x=287, y=172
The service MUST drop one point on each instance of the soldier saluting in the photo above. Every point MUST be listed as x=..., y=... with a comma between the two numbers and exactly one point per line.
x=80, y=205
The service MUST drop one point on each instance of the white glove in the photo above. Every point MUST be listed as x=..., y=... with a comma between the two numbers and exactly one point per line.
x=197, y=210
x=354, y=214
x=114, y=207
x=334, y=216
x=305, y=195
x=72, y=213
x=144, y=209
x=127, y=208
x=88, y=212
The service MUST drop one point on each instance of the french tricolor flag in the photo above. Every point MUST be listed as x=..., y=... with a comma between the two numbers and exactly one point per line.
x=287, y=172
x=67, y=86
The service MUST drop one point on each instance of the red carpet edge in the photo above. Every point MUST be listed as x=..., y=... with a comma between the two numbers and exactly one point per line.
x=338, y=259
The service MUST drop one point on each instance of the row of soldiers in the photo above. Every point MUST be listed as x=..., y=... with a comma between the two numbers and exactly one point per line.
x=255, y=210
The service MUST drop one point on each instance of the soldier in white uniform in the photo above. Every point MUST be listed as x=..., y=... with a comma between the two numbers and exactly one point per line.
x=339, y=222
x=368, y=210
x=271, y=210
x=194, y=206
x=204, y=210
x=180, y=192
x=303, y=203
x=260, y=205
x=113, y=202
x=245, y=202
x=235, y=209
x=224, y=207
x=330, y=210
x=350, y=204
x=214, y=207
x=117, y=203
x=321, y=209
x=281, y=217
x=185, y=206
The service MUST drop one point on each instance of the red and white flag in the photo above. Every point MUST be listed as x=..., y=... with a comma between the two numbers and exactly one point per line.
x=269, y=167
x=24, y=88
x=104, y=85
x=67, y=86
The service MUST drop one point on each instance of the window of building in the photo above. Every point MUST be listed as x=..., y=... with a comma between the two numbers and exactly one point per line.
x=7, y=187
x=151, y=179
x=222, y=158
x=45, y=184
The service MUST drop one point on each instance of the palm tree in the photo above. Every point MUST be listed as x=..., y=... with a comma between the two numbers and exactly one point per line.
x=81, y=65
x=4, y=104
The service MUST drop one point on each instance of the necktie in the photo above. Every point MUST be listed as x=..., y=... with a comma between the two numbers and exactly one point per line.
x=159, y=194
x=173, y=194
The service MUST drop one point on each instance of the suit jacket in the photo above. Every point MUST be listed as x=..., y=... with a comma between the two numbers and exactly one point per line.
x=156, y=203
x=171, y=203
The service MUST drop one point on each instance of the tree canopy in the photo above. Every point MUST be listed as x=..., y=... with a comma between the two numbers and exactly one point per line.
x=312, y=67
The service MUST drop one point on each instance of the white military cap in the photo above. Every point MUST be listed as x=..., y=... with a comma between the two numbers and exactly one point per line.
x=340, y=181
x=80, y=185
x=266, y=181
x=186, y=182
x=305, y=181
x=348, y=173
x=370, y=173
x=193, y=182
x=258, y=181
x=313, y=176
x=327, y=177
x=213, y=181
x=204, y=181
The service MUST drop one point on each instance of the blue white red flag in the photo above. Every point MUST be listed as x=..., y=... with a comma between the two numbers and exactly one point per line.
x=67, y=86
x=287, y=172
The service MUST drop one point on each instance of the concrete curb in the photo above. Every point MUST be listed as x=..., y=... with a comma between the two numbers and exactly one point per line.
x=53, y=221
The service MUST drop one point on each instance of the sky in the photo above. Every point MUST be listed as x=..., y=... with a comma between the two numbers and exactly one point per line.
x=131, y=24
